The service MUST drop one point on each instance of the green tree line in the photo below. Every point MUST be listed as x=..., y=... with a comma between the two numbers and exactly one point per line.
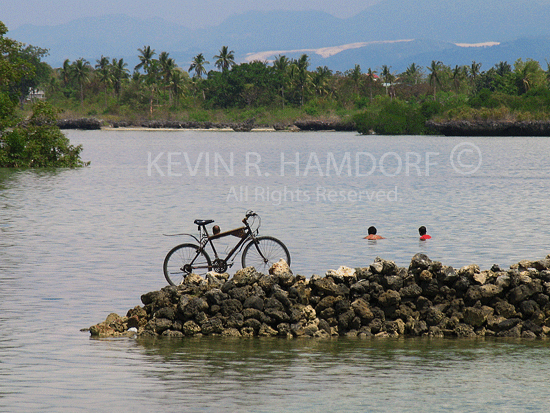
x=375, y=99
x=35, y=141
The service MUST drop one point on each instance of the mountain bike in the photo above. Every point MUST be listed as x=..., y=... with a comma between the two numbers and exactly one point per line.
x=261, y=252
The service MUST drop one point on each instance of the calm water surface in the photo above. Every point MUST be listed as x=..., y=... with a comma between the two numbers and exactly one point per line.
x=76, y=245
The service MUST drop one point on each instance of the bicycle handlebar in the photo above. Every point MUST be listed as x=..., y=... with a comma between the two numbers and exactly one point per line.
x=248, y=215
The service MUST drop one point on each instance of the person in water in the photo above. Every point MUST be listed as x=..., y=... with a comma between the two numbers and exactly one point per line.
x=372, y=234
x=422, y=232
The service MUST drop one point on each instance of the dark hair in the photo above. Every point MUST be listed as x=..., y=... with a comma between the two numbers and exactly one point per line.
x=216, y=229
x=372, y=231
x=422, y=230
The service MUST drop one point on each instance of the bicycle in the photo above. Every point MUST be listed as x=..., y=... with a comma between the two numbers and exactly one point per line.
x=259, y=252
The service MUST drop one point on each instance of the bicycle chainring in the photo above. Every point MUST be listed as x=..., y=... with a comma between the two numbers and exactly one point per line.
x=219, y=266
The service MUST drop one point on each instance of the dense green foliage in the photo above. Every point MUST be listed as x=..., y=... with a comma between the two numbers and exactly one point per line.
x=394, y=117
x=37, y=142
x=285, y=90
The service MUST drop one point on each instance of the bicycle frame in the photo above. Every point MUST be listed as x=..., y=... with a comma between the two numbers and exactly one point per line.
x=206, y=239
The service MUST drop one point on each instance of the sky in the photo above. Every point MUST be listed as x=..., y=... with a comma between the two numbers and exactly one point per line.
x=192, y=14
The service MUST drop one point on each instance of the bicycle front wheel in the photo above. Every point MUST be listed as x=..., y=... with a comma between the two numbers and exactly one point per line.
x=183, y=260
x=263, y=253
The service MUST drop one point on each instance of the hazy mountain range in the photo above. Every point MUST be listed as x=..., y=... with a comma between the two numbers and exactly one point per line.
x=392, y=32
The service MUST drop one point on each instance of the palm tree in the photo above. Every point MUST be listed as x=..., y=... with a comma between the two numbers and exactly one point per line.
x=301, y=75
x=198, y=66
x=66, y=72
x=355, y=75
x=177, y=84
x=459, y=73
x=281, y=64
x=152, y=79
x=225, y=59
x=529, y=74
x=119, y=73
x=320, y=80
x=474, y=71
x=80, y=72
x=503, y=68
x=136, y=78
x=145, y=59
x=103, y=71
x=413, y=73
x=371, y=78
x=167, y=66
x=434, y=77
x=388, y=77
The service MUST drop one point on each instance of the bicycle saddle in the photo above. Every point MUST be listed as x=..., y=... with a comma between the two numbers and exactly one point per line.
x=203, y=221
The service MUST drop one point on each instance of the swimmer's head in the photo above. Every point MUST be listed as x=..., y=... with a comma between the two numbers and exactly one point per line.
x=372, y=231
x=422, y=230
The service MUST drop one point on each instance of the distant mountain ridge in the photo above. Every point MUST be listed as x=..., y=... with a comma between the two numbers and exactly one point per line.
x=431, y=29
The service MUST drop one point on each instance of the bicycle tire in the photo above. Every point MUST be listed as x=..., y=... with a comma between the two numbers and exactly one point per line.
x=272, y=249
x=177, y=264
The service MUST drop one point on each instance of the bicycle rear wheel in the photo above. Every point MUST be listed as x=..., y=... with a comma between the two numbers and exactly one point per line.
x=272, y=250
x=183, y=260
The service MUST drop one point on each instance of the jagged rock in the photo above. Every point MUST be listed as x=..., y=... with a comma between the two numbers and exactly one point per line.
x=343, y=274
x=266, y=331
x=318, y=125
x=410, y=291
x=475, y=317
x=166, y=312
x=245, y=126
x=490, y=128
x=464, y=330
x=158, y=325
x=231, y=332
x=301, y=292
x=419, y=263
x=326, y=286
x=469, y=271
x=280, y=126
x=434, y=316
x=389, y=298
x=254, y=302
x=396, y=327
x=425, y=276
x=212, y=326
x=246, y=276
x=80, y=123
x=362, y=310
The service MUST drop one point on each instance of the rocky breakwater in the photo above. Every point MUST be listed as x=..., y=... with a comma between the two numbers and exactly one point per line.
x=490, y=128
x=325, y=125
x=381, y=300
x=80, y=123
x=245, y=126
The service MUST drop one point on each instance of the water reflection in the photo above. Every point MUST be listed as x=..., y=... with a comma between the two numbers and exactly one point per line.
x=346, y=374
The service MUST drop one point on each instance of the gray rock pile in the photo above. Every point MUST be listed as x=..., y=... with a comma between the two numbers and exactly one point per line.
x=382, y=300
x=80, y=123
x=491, y=127
x=323, y=125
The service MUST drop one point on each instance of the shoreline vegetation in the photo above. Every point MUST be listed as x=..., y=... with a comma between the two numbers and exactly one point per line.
x=285, y=94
